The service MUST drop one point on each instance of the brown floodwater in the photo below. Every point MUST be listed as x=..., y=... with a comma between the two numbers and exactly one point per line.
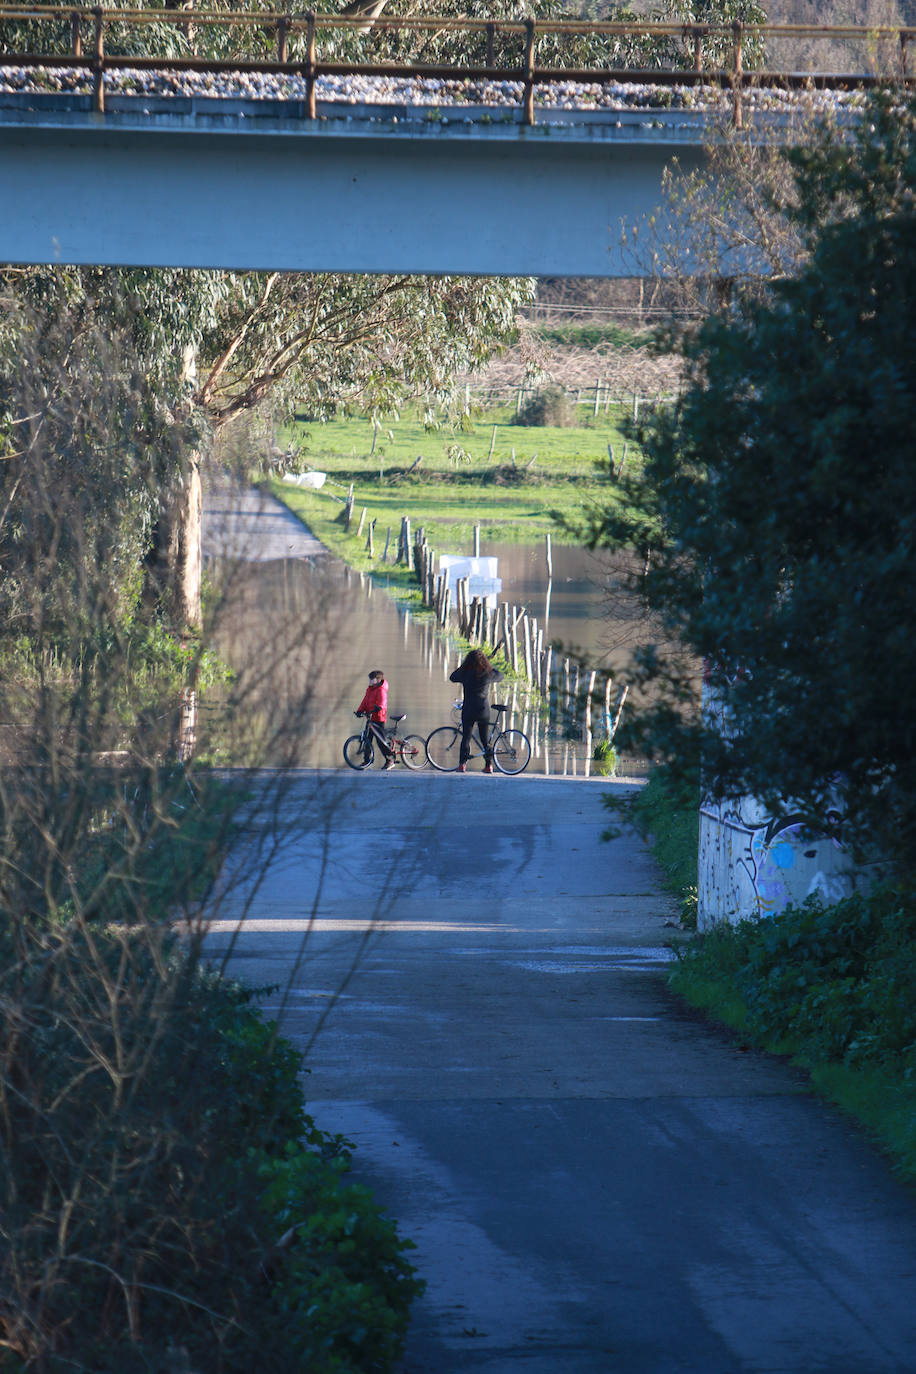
x=585, y=610
x=303, y=632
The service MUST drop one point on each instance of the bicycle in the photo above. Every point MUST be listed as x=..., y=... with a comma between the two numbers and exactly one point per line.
x=359, y=750
x=510, y=749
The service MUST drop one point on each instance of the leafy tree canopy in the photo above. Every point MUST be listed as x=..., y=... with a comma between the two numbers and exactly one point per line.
x=777, y=507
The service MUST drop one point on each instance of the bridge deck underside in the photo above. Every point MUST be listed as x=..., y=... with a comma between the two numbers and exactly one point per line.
x=195, y=191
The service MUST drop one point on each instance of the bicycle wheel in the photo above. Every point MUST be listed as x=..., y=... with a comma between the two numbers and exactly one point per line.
x=442, y=748
x=511, y=751
x=357, y=753
x=413, y=751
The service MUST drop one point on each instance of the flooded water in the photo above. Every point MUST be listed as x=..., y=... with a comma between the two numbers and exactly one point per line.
x=303, y=633
x=582, y=608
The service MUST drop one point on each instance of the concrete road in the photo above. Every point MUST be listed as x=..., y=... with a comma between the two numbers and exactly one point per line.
x=595, y=1180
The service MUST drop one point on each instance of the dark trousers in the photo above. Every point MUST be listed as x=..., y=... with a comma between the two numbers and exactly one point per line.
x=378, y=734
x=467, y=729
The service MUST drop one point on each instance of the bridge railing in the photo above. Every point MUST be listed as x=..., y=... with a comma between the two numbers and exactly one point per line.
x=532, y=53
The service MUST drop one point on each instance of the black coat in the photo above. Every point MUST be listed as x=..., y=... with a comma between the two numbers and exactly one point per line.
x=476, y=704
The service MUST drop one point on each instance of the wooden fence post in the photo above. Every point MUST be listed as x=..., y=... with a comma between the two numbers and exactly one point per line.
x=526, y=629
x=620, y=700
x=588, y=700
x=528, y=99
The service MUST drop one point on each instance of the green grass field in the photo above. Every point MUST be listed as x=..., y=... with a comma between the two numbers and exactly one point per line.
x=512, y=480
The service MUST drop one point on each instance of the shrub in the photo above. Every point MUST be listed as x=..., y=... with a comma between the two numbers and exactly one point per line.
x=841, y=980
x=341, y=1289
x=548, y=406
x=154, y=1148
x=832, y=983
x=605, y=756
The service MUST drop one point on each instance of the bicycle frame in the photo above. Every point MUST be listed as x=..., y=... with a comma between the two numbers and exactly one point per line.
x=409, y=750
x=506, y=746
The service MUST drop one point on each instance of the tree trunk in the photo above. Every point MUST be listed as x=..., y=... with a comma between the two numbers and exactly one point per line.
x=176, y=559
x=190, y=558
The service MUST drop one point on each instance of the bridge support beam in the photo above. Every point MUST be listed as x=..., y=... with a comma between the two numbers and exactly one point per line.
x=327, y=195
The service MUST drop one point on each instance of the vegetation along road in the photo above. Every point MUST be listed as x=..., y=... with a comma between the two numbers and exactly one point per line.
x=595, y=1179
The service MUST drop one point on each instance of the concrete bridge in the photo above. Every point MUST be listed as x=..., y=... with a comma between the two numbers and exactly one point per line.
x=253, y=185
x=523, y=171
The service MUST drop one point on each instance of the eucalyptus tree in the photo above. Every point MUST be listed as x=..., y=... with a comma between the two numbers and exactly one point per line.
x=214, y=346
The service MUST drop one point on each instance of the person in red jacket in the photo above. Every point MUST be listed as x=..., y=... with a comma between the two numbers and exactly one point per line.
x=375, y=705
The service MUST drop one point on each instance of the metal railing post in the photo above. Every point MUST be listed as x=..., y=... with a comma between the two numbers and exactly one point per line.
x=98, y=62
x=738, y=73
x=491, y=43
x=528, y=111
x=283, y=38
x=697, y=50
x=311, y=102
x=76, y=37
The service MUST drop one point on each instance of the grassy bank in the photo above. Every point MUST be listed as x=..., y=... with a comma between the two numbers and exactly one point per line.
x=511, y=480
x=833, y=988
x=670, y=820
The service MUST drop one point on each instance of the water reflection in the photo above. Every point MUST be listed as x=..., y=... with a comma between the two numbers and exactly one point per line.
x=306, y=631
x=349, y=627
x=583, y=607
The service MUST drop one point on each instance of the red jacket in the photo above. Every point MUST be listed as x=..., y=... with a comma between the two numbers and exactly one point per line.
x=375, y=703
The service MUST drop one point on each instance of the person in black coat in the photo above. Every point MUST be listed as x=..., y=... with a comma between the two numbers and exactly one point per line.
x=476, y=674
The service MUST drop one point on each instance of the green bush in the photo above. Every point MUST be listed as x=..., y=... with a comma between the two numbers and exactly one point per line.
x=833, y=984
x=592, y=335
x=605, y=756
x=550, y=406
x=342, y=1289
x=840, y=980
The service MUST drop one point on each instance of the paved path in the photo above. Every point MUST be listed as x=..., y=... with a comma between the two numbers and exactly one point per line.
x=596, y=1181
x=246, y=524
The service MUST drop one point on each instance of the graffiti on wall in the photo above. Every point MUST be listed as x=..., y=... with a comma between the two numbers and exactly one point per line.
x=752, y=864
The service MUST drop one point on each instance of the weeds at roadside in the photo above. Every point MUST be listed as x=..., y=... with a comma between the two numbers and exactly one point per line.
x=669, y=819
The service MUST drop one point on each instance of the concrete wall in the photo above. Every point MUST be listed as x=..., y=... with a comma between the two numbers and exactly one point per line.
x=752, y=865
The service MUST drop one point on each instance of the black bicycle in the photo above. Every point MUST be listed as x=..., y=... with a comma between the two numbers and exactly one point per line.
x=359, y=751
x=509, y=749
